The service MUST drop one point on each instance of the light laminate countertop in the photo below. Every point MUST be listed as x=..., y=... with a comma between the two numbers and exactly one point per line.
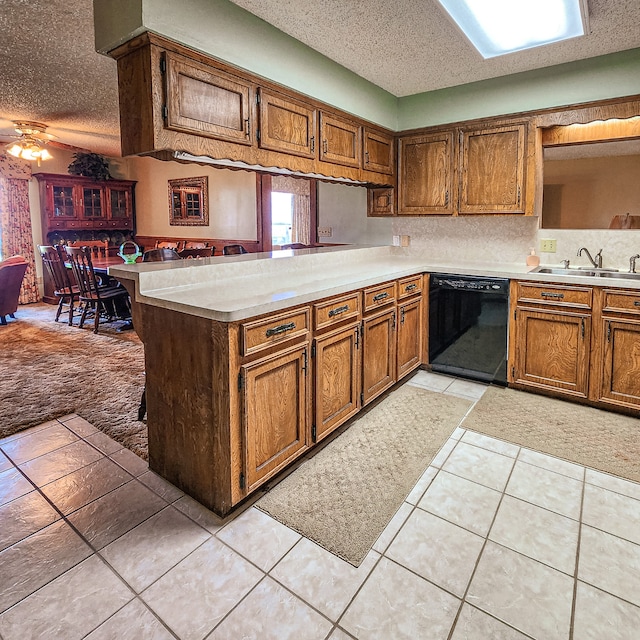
x=232, y=288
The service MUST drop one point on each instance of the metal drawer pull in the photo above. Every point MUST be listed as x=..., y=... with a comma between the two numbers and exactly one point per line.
x=636, y=303
x=338, y=310
x=411, y=287
x=381, y=296
x=548, y=294
x=280, y=329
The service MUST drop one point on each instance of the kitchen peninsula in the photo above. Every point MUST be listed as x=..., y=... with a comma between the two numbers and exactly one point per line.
x=251, y=360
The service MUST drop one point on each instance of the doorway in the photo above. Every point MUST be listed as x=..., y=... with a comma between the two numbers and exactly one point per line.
x=289, y=215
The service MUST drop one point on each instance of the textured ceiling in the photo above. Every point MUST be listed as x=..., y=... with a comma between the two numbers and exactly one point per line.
x=50, y=72
x=412, y=46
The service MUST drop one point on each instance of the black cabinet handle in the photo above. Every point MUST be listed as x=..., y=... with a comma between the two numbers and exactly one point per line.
x=274, y=331
x=410, y=287
x=549, y=294
x=338, y=310
x=381, y=296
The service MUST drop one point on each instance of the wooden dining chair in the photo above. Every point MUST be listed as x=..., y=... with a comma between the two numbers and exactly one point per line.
x=233, y=250
x=166, y=244
x=105, y=301
x=202, y=252
x=189, y=244
x=65, y=289
x=160, y=255
x=99, y=248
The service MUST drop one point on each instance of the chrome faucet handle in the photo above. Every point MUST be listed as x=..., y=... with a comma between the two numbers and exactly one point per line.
x=632, y=263
x=565, y=264
x=598, y=259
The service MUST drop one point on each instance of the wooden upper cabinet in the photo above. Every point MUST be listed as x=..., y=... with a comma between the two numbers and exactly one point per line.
x=207, y=102
x=380, y=201
x=341, y=140
x=378, y=151
x=492, y=169
x=287, y=125
x=425, y=174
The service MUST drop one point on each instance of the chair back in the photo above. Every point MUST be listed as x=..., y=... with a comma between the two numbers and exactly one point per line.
x=233, y=250
x=296, y=245
x=160, y=255
x=166, y=244
x=12, y=272
x=53, y=262
x=82, y=267
x=203, y=252
x=99, y=248
x=195, y=245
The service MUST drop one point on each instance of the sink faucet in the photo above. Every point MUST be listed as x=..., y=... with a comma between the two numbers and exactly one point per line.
x=597, y=261
x=632, y=263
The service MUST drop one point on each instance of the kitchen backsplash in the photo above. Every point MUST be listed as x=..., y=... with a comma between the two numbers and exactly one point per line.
x=509, y=239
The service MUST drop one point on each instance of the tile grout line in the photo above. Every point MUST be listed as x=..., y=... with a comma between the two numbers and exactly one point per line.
x=577, y=562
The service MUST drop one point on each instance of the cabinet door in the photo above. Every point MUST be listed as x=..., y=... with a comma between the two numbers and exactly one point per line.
x=275, y=412
x=341, y=140
x=380, y=201
x=378, y=354
x=93, y=203
x=337, y=378
x=425, y=174
x=552, y=350
x=492, y=170
x=378, y=152
x=207, y=102
x=287, y=125
x=409, y=336
x=62, y=201
x=119, y=207
x=621, y=362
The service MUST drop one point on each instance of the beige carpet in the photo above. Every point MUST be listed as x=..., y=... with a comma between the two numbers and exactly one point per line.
x=50, y=369
x=344, y=496
x=599, y=439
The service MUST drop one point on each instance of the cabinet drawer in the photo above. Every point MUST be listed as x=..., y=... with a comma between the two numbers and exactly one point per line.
x=409, y=287
x=379, y=296
x=330, y=312
x=555, y=294
x=262, y=334
x=621, y=301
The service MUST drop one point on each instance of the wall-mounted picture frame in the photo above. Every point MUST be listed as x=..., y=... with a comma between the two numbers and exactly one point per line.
x=189, y=202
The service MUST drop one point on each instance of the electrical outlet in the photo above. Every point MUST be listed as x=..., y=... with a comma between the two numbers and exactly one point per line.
x=404, y=241
x=325, y=232
x=396, y=241
x=547, y=246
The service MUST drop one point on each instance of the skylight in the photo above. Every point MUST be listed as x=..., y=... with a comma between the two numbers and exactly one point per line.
x=496, y=27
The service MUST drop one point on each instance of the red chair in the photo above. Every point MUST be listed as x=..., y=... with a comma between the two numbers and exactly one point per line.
x=12, y=272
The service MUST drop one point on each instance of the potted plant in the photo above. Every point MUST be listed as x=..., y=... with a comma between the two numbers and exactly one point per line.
x=90, y=165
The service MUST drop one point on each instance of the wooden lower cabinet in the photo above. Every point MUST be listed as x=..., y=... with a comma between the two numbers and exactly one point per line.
x=553, y=350
x=337, y=379
x=620, y=381
x=275, y=412
x=378, y=354
x=410, y=330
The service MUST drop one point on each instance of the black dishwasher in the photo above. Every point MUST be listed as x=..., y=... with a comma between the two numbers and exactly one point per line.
x=468, y=319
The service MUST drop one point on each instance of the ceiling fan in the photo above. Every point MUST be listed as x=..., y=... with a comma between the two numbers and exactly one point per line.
x=31, y=141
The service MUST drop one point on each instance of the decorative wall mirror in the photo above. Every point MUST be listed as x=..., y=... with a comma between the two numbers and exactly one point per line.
x=189, y=202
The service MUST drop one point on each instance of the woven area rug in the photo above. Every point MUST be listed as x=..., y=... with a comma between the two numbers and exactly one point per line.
x=591, y=437
x=50, y=369
x=344, y=496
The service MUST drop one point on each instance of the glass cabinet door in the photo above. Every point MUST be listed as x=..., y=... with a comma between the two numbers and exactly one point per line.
x=63, y=202
x=118, y=203
x=92, y=202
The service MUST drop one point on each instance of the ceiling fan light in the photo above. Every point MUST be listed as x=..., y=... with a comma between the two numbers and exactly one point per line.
x=15, y=149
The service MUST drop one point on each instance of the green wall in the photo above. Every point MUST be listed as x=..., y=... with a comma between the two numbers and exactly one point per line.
x=609, y=76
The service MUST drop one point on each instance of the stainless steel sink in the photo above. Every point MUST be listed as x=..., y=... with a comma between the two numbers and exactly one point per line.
x=591, y=273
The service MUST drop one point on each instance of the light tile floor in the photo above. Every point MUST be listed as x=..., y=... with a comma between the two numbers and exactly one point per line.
x=495, y=542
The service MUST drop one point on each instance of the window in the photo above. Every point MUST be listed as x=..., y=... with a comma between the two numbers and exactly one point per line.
x=281, y=218
x=188, y=202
